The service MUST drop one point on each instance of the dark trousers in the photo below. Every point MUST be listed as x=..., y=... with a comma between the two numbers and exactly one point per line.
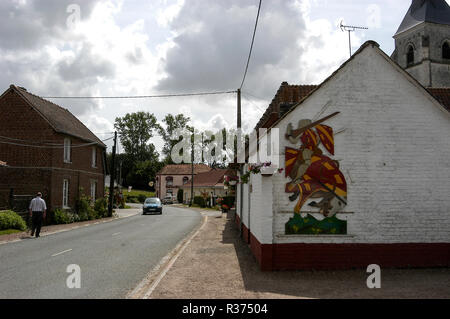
x=36, y=223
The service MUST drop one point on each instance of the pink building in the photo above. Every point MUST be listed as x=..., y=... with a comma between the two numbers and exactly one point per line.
x=171, y=177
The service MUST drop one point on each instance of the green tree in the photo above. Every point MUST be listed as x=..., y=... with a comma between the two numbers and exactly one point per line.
x=172, y=123
x=142, y=173
x=135, y=131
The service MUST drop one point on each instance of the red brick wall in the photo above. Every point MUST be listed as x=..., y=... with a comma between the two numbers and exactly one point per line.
x=347, y=256
x=20, y=121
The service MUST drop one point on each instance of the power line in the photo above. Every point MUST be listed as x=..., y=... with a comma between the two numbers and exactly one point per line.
x=50, y=146
x=140, y=96
x=254, y=96
x=248, y=99
x=251, y=46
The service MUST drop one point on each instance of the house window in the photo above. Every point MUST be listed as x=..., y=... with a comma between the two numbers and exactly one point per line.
x=93, y=190
x=65, y=193
x=185, y=179
x=410, y=55
x=169, y=181
x=94, y=157
x=67, y=144
x=446, y=50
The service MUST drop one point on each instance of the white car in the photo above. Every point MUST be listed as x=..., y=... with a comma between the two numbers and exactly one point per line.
x=167, y=200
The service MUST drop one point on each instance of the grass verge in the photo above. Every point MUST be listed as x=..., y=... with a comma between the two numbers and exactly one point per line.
x=9, y=231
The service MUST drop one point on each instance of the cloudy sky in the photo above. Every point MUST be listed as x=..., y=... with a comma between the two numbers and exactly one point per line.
x=148, y=47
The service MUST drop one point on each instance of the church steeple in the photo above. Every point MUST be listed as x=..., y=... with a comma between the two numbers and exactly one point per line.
x=434, y=11
x=422, y=42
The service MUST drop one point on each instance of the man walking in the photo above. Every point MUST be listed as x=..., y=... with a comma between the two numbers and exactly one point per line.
x=37, y=212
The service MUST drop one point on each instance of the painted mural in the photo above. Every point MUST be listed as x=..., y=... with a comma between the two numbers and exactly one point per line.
x=314, y=174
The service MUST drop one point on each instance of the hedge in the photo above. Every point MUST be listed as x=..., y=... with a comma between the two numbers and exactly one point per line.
x=11, y=220
x=200, y=201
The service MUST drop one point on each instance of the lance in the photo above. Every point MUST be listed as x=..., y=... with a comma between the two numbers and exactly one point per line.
x=300, y=131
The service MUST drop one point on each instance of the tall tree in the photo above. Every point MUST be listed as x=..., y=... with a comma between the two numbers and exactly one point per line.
x=172, y=123
x=135, y=131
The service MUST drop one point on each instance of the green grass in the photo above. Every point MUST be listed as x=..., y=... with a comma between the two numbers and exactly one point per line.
x=136, y=192
x=216, y=208
x=9, y=231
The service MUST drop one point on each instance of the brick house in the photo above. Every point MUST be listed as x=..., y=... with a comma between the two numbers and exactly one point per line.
x=47, y=149
x=171, y=177
x=391, y=143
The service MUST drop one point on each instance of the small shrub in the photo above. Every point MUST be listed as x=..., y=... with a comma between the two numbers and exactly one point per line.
x=61, y=217
x=84, y=209
x=200, y=201
x=101, y=207
x=133, y=199
x=11, y=220
x=83, y=216
x=141, y=198
x=92, y=214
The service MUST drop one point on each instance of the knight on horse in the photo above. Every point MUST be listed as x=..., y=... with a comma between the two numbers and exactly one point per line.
x=313, y=174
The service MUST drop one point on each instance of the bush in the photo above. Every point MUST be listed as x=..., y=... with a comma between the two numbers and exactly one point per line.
x=200, y=201
x=60, y=216
x=132, y=199
x=229, y=201
x=84, y=209
x=101, y=207
x=11, y=220
x=142, y=198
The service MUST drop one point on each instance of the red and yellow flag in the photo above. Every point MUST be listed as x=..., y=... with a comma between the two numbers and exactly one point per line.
x=291, y=155
x=326, y=137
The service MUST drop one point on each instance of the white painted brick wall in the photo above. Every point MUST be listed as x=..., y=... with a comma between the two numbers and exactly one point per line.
x=394, y=153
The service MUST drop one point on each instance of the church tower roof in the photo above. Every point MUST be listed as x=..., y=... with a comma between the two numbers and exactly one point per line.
x=435, y=11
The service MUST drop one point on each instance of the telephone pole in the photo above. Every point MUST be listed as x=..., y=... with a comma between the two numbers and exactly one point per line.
x=241, y=166
x=112, y=177
x=192, y=168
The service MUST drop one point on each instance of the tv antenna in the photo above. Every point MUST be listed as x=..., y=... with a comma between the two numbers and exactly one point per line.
x=349, y=29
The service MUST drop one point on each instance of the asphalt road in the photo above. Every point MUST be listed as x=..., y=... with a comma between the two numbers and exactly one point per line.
x=113, y=257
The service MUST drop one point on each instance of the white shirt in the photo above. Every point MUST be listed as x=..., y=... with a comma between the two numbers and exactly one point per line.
x=38, y=205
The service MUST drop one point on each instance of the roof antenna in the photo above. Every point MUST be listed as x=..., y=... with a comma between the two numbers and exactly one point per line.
x=350, y=28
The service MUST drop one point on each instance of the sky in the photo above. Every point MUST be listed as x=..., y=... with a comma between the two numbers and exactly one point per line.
x=137, y=47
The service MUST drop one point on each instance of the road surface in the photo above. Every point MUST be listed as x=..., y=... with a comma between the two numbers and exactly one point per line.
x=113, y=257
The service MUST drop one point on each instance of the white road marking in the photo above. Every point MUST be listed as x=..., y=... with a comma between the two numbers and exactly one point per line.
x=60, y=253
x=115, y=234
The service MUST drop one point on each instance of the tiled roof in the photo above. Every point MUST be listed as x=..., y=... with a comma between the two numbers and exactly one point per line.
x=442, y=95
x=210, y=178
x=59, y=118
x=286, y=97
x=183, y=169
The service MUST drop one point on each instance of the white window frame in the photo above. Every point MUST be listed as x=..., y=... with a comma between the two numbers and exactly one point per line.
x=93, y=190
x=67, y=150
x=94, y=157
x=65, y=199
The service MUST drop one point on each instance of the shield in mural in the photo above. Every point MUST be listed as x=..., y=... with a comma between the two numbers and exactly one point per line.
x=314, y=175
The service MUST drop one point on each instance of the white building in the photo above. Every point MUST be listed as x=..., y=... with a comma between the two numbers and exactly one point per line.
x=391, y=140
